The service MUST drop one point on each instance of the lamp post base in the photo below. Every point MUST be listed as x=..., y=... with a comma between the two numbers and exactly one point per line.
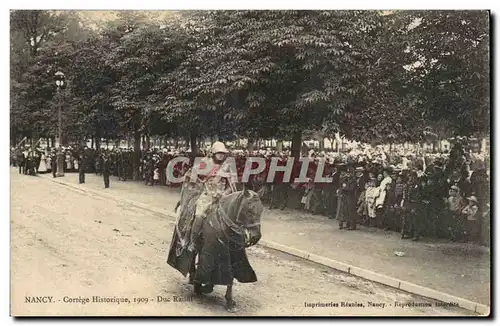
x=60, y=166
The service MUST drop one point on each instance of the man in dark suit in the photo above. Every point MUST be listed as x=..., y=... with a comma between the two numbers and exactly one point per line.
x=20, y=160
x=105, y=170
x=53, y=163
x=347, y=200
x=81, y=168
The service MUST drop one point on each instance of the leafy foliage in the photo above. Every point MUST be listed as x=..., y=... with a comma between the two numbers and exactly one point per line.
x=369, y=75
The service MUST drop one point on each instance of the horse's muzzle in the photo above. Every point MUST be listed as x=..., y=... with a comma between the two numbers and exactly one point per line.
x=252, y=236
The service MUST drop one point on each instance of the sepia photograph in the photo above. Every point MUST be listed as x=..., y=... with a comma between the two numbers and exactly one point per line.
x=250, y=163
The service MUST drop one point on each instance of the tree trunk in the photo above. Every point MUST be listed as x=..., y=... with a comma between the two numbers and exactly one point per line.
x=137, y=155
x=251, y=144
x=322, y=144
x=92, y=142
x=296, y=144
x=148, y=142
x=279, y=145
x=97, y=142
x=33, y=137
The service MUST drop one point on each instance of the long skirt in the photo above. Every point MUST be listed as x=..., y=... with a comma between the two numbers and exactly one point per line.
x=42, y=168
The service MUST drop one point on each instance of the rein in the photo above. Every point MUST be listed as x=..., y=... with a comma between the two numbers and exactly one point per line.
x=235, y=226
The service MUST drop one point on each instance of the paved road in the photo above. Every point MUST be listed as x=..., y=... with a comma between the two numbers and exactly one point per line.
x=66, y=243
x=462, y=270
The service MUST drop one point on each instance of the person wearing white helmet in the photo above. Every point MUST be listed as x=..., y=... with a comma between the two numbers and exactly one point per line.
x=219, y=152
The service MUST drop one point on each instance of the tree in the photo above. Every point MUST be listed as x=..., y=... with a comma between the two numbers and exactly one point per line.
x=290, y=69
x=142, y=54
x=452, y=48
x=39, y=48
x=372, y=76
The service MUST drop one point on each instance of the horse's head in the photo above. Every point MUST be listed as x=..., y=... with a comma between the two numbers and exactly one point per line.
x=245, y=209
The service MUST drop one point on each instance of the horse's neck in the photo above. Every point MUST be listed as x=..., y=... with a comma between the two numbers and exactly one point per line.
x=233, y=206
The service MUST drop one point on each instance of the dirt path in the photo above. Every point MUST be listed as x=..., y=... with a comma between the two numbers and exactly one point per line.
x=67, y=244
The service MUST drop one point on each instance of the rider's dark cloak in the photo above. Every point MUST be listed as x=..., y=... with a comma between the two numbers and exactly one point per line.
x=222, y=256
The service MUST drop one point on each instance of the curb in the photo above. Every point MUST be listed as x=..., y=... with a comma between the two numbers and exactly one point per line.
x=476, y=307
x=380, y=278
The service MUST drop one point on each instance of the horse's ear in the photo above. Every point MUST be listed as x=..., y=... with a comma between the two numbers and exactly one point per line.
x=246, y=193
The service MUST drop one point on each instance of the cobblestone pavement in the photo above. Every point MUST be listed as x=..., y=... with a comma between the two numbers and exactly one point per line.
x=67, y=243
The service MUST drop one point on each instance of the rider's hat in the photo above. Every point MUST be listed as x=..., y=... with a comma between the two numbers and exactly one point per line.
x=219, y=147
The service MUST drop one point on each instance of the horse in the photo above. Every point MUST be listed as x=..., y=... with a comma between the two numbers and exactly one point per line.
x=230, y=226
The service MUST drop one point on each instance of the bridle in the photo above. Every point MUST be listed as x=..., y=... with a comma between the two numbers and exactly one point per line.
x=236, y=225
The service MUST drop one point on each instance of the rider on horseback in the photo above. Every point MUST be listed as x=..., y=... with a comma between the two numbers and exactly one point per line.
x=214, y=187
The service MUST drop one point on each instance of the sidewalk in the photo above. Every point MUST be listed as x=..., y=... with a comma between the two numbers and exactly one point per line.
x=461, y=270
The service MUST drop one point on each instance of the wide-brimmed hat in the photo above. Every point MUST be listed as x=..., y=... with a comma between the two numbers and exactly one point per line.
x=472, y=199
x=219, y=147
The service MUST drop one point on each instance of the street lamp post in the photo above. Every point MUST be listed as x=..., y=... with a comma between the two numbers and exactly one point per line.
x=61, y=84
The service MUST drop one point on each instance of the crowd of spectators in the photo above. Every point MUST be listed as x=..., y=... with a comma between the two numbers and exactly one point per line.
x=444, y=195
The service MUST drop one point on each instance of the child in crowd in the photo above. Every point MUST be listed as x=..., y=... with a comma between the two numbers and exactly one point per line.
x=470, y=213
x=156, y=176
x=372, y=193
x=455, y=200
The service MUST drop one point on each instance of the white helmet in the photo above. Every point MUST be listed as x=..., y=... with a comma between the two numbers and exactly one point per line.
x=219, y=147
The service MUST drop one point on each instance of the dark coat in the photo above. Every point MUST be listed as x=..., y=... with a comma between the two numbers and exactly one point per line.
x=53, y=162
x=222, y=256
x=105, y=166
x=218, y=263
x=82, y=163
x=346, y=207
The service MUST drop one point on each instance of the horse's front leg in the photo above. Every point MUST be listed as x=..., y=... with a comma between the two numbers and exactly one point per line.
x=230, y=304
x=192, y=272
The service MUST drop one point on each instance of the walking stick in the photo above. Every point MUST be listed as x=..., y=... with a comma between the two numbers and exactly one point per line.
x=22, y=141
x=37, y=142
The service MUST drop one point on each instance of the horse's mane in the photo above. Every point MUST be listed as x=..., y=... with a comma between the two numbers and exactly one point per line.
x=249, y=198
x=223, y=218
x=249, y=206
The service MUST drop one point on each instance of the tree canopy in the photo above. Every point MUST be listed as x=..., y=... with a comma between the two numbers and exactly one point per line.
x=370, y=75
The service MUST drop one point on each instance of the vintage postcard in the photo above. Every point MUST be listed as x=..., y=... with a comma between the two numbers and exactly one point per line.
x=250, y=163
